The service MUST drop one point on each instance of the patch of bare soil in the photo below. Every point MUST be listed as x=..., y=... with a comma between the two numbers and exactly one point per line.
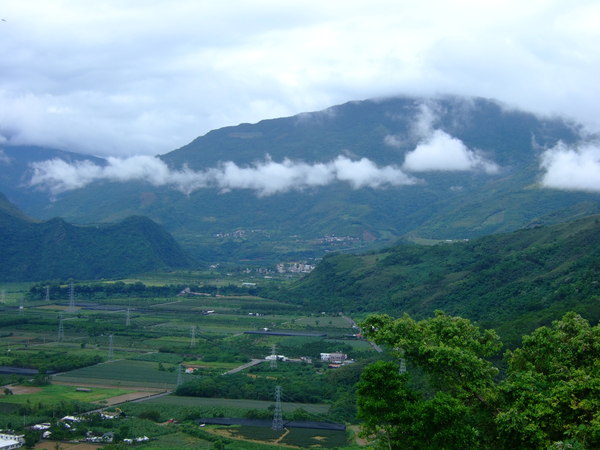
x=18, y=389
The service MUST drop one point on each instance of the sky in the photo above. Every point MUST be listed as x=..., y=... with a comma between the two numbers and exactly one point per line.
x=123, y=78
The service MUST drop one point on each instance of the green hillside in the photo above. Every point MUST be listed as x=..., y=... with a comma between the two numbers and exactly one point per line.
x=516, y=281
x=239, y=224
x=58, y=250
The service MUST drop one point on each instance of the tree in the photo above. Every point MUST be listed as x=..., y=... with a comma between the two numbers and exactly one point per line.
x=457, y=405
x=552, y=390
x=550, y=397
x=384, y=404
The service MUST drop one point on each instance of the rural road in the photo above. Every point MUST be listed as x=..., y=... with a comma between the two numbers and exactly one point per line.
x=254, y=362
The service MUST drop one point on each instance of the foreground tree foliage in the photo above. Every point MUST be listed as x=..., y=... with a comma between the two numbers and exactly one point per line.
x=549, y=398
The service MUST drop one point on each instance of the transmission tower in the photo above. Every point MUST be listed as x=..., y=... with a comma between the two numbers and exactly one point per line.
x=179, y=375
x=111, y=353
x=71, y=298
x=127, y=318
x=273, y=362
x=47, y=293
x=21, y=305
x=402, y=368
x=193, y=339
x=277, y=415
x=61, y=328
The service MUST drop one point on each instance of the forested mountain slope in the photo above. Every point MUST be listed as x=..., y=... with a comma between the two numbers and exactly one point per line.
x=278, y=189
x=57, y=250
x=514, y=282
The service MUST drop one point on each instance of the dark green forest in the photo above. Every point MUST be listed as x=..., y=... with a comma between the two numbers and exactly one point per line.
x=55, y=249
x=512, y=282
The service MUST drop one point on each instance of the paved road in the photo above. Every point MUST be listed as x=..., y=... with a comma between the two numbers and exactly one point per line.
x=254, y=362
x=353, y=324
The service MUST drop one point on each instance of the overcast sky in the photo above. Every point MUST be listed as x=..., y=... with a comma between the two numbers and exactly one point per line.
x=130, y=77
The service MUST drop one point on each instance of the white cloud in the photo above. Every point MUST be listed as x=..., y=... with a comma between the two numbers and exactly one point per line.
x=394, y=141
x=123, y=78
x=442, y=152
x=436, y=150
x=571, y=168
x=4, y=158
x=265, y=178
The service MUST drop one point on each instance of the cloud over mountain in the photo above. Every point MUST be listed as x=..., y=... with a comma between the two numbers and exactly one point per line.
x=442, y=152
x=572, y=168
x=266, y=177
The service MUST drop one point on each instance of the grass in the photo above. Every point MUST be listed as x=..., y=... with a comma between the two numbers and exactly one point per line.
x=55, y=393
x=175, y=440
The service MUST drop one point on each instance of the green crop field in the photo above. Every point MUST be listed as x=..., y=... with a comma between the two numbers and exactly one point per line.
x=124, y=373
x=52, y=394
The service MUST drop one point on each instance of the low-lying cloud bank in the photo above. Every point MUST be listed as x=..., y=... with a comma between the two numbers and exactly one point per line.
x=572, y=168
x=266, y=177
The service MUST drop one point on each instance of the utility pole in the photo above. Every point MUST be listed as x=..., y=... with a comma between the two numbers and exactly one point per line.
x=71, y=298
x=193, y=339
x=111, y=353
x=277, y=415
x=61, y=328
x=179, y=376
x=273, y=362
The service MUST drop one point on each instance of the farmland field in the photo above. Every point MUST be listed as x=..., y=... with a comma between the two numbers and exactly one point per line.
x=123, y=372
x=51, y=394
x=234, y=403
x=128, y=343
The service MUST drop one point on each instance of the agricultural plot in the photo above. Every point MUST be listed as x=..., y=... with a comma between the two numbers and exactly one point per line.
x=123, y=373
x=141, y=342
x=52, y=394
x=297, y=437
x=199, y=402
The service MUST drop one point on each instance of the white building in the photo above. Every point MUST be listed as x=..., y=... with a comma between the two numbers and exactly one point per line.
x=334, y=358
x=10, y=441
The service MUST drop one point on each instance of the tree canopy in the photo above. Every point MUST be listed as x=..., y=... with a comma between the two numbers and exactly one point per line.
x=549, y=396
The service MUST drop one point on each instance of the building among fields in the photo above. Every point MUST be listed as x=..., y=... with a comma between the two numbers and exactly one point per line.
x=334, y=358
x=10, y=441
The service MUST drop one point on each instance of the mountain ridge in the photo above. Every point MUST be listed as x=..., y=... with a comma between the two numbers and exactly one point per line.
x=294, y=222
x=55, y=249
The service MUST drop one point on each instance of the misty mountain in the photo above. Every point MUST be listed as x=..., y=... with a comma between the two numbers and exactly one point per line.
x=16, y=173
x=352, y=176
x=514, y=282
x=33, y=250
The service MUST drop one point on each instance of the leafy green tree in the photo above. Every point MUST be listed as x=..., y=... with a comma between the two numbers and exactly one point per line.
x=550, y=397
x=458, y=407
x=552, y=389
x=384, y=404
